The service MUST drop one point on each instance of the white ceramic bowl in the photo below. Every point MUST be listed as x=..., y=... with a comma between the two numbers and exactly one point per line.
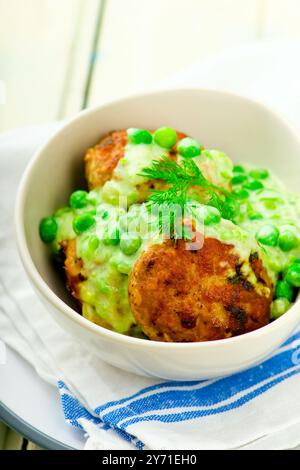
x=246, y=130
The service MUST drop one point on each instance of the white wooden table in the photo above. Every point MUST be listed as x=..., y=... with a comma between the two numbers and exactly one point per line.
x=60, y=56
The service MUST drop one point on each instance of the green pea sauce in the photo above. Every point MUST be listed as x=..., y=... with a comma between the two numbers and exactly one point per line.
x=107, y=262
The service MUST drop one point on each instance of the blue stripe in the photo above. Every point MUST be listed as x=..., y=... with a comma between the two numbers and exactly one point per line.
x=188, y=415
x=209, y=395
x=292, y=338
x=158, y=386
x=125, y=435
x=99, y=410
x=62, y=385
x=139, y=445
x=175, y=397
x=74, y=410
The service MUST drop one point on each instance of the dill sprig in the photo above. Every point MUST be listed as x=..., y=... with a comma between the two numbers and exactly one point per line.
x=179, y=178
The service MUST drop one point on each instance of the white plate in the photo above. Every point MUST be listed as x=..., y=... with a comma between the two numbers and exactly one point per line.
x=32, y=407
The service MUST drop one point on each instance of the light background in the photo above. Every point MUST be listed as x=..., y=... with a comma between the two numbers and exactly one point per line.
x=59, y=56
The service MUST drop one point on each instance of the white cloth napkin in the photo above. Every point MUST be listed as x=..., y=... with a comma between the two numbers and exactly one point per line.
x=257, y=409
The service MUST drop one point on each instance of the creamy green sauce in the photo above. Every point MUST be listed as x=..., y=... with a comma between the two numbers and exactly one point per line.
x=123, y=188
x=216, y=166
x=106, y=267
x=104, y=293
x=277, y=207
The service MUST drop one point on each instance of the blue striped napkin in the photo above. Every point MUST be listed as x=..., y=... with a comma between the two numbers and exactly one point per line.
x=228, y=412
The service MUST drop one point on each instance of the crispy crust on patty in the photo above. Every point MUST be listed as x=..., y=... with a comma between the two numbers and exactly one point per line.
x=182, y=296
x=101, y=160
x=73, y=267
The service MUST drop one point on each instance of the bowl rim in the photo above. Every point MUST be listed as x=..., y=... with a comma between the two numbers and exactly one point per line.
x=56, y=302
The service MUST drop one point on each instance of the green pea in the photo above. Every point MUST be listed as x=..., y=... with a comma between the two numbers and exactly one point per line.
x=88, y=246
x=238, y=169
x=288, y=240
x=102, y=286
x=91, y=211
x=111, y=235
x=254, y=185
x=210, y=215
x=83, y=222
x=275, y=263
x=189, y=148
x=139, y=136
x=62, y=211
x=93, y=197
x=241, y=193
x=122, y=266
x=279, y=307
x=268, y=235
x=293, y=275
x=284, y=289
x=48, y=229
x=78, y=199
x=86, y=294
x=239, y=179
x=132, y=198
x=255, y=216
x=93, y=243
x=165, y=137
x=259, y=173
x=130, y=245
x=123, y=161
x=270, y=205
x=137, y=332
x=104, y=214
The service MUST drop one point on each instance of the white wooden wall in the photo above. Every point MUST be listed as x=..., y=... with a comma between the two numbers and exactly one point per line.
x=57, y=56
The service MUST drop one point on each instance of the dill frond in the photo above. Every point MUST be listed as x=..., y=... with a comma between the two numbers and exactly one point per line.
x=179, y=178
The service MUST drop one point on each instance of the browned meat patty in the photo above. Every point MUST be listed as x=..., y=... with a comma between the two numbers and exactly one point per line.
x=181, y=296
x=101, y=160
